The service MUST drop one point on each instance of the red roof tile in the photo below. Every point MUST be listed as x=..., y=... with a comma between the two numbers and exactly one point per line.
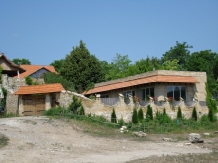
x=150, y=79
x=30, y=69
x=36, y=89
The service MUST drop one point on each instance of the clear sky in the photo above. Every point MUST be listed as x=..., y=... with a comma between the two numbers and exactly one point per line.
x=46, y=30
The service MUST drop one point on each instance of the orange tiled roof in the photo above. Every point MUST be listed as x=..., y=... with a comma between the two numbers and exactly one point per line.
x=30, y=69
x=150, y=79
x=36, y=89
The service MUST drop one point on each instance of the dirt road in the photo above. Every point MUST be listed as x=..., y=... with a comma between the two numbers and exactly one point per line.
x=40, y=140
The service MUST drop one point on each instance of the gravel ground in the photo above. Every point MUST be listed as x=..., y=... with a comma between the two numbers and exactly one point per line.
x=40, y=140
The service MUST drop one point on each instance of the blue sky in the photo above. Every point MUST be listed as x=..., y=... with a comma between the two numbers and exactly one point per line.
x=46, y=30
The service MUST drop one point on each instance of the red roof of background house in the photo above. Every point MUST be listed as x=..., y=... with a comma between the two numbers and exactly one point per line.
x=150, y=79
x=37, y=89
x=30, y=69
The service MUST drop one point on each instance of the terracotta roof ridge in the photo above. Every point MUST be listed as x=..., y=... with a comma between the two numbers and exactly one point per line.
x=40, y=85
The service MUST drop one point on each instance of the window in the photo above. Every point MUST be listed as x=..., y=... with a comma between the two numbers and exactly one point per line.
x=127, y=93
x=104, y=96
x=176, y=92
x=147, y=92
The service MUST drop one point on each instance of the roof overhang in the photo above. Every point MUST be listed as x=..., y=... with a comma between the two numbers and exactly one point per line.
x=39, y=89
x=150, y=79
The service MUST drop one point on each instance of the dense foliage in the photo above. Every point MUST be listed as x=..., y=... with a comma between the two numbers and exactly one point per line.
x=50, y=78
x=135, y=116
x=22, y=61
x=82, y=68
x=179, y=113
x=149, y=113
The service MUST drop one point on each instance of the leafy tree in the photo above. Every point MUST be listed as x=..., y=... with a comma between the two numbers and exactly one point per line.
x=58, y=64
x=51, y=77
x=179, y=113
x=194, y=114
x=22, y=61
x=76, y=105
x=180, y=52
x=205, y=61
x=149, y=113
x=134, y=116
x=113, y=116
x=119, y=67
x=171, y=65
x=82, y=68
x=140, y=115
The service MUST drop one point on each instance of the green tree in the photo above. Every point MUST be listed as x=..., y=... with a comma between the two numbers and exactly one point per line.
x=179, y=113
x=140, y=115
x=51, y=77
x=171, y=65
x=119, y=67
x=194, y=114
x=180, y=52
x=113, y=116
x=149, y=113
x=205, y=61
x=58, y=64
x=22, y=61
x=82, y=68
x=135, y=116
x=81, y=111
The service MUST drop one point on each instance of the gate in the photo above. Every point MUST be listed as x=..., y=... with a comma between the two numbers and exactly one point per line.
x=33, y=105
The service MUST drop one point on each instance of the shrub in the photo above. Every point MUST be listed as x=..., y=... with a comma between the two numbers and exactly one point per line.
x=29, y=80
x=134, y=116
x=140, y=115
x=81, y=111
x=149, y=113
x=162, y=118
x=194, y=114
x=75, y=105
x=113, y=116
x=179, y=113
x=121, y=122
x=53, y=111
x=204, y=119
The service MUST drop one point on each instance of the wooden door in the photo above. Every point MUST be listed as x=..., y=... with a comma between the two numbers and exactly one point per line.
x=33, y=105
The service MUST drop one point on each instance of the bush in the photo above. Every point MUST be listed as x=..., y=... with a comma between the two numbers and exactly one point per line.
x=54, y=111
x=81, y=111
x=149, y=113
x=140, y=115
x=194, y=114
x=121, y=122
x=75, y=105
x=162, y=118
x=179, y=113
x=134, y=116
x=113, y=116
x=29, y=80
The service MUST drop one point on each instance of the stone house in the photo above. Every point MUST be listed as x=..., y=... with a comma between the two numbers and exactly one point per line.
x=23, y=99
x=161, y=89
x=34, y=100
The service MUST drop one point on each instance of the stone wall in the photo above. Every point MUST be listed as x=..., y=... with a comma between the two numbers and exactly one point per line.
x=12, y=103
x=124, y=111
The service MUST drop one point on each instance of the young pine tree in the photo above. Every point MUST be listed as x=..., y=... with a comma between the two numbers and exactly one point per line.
x=179, y=113
x=135, y=116
x=113, y=116
x=149, y=113
x=194, y=114
x=140, y=115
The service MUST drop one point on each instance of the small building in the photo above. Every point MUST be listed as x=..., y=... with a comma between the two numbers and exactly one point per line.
x=34, y=100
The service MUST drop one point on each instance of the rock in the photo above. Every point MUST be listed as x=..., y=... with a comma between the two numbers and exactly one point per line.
x=123, y=129
x=139, y=134
x=216, y=132
x=166, y=139
x=206, y=134
x=195, y=138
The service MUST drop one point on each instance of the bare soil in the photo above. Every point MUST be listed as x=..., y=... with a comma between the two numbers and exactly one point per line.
x=40, y=140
